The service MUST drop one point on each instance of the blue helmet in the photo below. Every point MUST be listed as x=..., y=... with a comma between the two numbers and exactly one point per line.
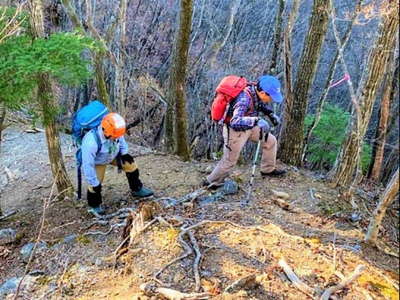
x=271, y=86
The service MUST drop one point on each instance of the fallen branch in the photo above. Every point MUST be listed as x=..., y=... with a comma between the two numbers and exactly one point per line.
x=152, y=290
x=280, y=194
x=295, y=280
x=246, y=282
x=42, y=187
x=333, y=289
x=191, y=196
x=312, y=194
x=9, y=214
x=282, y=204
x=105, y=233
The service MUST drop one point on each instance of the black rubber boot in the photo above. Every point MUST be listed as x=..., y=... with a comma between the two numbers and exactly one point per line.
x=94, y=199
x=134, y=182
x=137, y=188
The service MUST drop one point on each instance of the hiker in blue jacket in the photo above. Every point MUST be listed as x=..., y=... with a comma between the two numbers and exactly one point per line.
x=114, y=151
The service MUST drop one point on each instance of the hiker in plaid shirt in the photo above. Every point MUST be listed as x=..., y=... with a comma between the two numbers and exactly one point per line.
x=246, y=124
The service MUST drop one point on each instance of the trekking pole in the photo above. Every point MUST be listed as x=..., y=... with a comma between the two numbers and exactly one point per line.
x=253, y=171
x=79, y=192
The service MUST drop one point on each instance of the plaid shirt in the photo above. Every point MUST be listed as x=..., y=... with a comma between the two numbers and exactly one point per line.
x=245, y=110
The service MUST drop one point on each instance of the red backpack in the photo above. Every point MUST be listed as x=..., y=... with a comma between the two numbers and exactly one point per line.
x=227, y=90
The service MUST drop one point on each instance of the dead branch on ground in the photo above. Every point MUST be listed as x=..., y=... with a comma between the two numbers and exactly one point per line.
x=7, y=215
x=246, y=282
x=345, y=282
x=295, y=280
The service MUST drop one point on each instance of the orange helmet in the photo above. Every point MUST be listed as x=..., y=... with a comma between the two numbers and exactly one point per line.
x=113, y=125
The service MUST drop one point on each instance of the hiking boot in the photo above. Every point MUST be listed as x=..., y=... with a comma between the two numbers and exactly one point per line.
x=274, y=173
x=98, y=210
x=142, y=193
x=212, y=185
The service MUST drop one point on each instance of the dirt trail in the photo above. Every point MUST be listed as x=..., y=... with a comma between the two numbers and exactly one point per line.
x=317, y=240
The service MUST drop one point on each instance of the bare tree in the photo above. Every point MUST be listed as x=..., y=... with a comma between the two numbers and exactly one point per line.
x=48, y=106
x=329, y=79
x=380, y=137
x=291, y=143
x=347, y=161
x=287, y=53
x=386, y=199
x=272, y=64
x=119, y=87
x=178, y=78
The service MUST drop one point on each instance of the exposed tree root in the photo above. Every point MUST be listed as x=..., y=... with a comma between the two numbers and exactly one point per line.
x=152, y=290
x=196, y=261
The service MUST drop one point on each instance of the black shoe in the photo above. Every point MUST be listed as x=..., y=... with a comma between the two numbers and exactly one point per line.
x=212, y=185
x=274, y=173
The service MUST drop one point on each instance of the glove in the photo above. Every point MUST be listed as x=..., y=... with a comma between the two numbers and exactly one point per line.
x=127, y=158
x=275, y=120
x=97, y=189
x=263, y=124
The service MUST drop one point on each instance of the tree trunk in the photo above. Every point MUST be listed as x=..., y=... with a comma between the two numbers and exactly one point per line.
x=2, y=119
x=291, y=143
x=380, y=136
x=49, y=106
x=345, y=166
x=329, y=80
x=178, y=78
x=119, y=74
x=391, y=163
x=169, y=134
x=100, y=81
x=271, y=68
x=386, y=199
x=287, y=52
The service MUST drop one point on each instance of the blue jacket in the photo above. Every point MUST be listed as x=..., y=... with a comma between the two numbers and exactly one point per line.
x=108, y=152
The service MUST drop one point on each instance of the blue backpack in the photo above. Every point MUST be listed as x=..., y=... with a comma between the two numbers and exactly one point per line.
x=88, y=118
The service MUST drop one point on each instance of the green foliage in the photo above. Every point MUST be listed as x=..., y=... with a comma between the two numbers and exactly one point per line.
x=22, y=60
x=366, y=156
x=328, y=136
x=10, y=18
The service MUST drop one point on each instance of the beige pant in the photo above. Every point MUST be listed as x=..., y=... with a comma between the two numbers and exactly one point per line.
x=237, y=139
x=101, y=171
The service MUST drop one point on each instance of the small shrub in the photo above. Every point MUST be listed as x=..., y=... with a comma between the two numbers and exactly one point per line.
x=328, y=136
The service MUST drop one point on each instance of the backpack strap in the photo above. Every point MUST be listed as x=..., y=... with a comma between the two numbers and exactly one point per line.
x=231, y=105
x=79, y=170
x=97, y=138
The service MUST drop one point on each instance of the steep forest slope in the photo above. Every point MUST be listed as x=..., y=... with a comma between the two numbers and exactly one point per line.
x=316, y=233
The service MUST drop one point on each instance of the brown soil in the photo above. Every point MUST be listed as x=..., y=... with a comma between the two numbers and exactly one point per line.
x=310, y=239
